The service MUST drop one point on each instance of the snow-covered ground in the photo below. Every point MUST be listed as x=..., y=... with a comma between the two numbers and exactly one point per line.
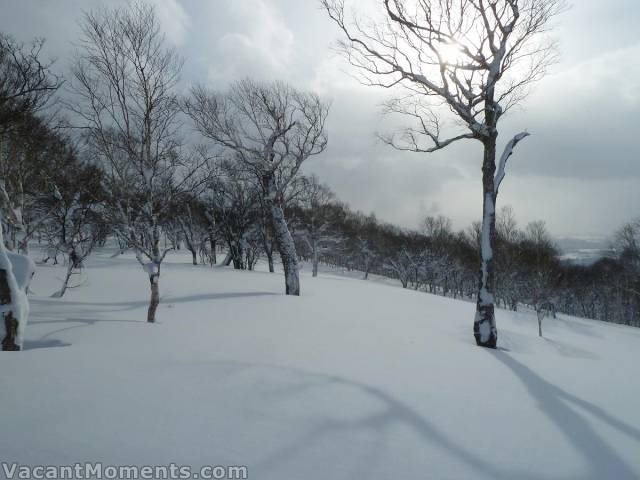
x=353, y=380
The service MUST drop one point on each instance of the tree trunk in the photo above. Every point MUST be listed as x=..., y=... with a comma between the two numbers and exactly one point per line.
x=155, y=297
x=540, y=317
x=267, y=246
x=11, y=328
x=194, y=258
x=315, y=259
x=10, y=323
x=236, y=250
x=212, y=243
x=287, y=250
x=484, y=326
x=65, y=284
x=12, y=341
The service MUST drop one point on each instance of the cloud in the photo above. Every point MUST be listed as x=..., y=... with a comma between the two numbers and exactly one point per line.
x=579, y=170
x=231, y=40
x=583, y=120
x=174, y=20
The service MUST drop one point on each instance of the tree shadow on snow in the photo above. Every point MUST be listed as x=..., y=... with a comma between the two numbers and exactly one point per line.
x=50, y=343
x=130, y=305
x=50, y=313
x=560, y=407
x=216, y=296
x=571, y=351
x=522, y=343
x=578, y=326
x=46, y=342
x=602, y=460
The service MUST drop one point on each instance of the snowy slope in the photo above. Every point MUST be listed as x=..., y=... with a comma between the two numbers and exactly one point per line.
x=353, y=380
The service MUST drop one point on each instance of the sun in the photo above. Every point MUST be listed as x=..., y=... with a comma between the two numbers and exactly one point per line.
x=451, y=53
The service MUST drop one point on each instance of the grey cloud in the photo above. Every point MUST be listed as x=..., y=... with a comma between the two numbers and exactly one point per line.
x=579, y=170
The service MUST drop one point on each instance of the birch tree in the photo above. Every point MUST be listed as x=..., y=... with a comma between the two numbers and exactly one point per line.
x=317, y=228
x=191, y=221
x=403, y=266
x=627, y=246
x=271, y=128
x=232, y=202
x=541, y=271
x=80, y=230
x=366, y=254
x=124, y=80
x=72, y=215
x=26, y=86
x=30, y=154
x=471, y=59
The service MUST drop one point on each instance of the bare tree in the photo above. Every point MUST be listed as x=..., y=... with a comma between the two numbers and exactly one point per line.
x=541, y=277
x=271, y=129
x=404, y=266
x=316, y=220
x=627, y=246
x=27, y=83
x=509, y=285
x=192, y=223
x=475, y=59
x=124, y=80
x=366, y=254
x=75, y=225
x=231, y=203
x=265, y=233
x=81, y=230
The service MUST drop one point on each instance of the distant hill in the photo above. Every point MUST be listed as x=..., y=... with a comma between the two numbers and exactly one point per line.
x=584, y=250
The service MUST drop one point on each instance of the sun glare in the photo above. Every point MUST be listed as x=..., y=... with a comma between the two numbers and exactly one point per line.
x=451, y=53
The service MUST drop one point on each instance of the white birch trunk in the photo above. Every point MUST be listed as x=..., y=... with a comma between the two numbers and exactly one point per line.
x=484, y=325
x=287, y=250
x=65, y=284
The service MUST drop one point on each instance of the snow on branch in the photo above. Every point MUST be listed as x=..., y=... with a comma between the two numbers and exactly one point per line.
x=508, y=151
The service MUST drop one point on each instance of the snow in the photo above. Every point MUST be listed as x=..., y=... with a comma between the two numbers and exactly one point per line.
x=502, y=164
x=353, y=380
x=19, y=271
x=150, y=268
x=23, y=269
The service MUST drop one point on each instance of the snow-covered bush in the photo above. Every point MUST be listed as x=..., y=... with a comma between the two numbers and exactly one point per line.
x=16, y=272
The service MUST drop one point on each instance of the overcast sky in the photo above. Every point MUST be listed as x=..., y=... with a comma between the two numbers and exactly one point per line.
x=579, y=171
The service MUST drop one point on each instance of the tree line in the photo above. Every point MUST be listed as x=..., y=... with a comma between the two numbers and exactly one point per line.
x=113, y=150
x=530, y=272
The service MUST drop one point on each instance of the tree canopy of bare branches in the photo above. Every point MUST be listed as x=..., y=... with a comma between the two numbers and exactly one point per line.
x=27, y=82
x=124, y=84
x=270, y=129
x=475, y=59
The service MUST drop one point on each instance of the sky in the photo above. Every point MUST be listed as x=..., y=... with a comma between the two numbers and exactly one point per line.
x=579, y=171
